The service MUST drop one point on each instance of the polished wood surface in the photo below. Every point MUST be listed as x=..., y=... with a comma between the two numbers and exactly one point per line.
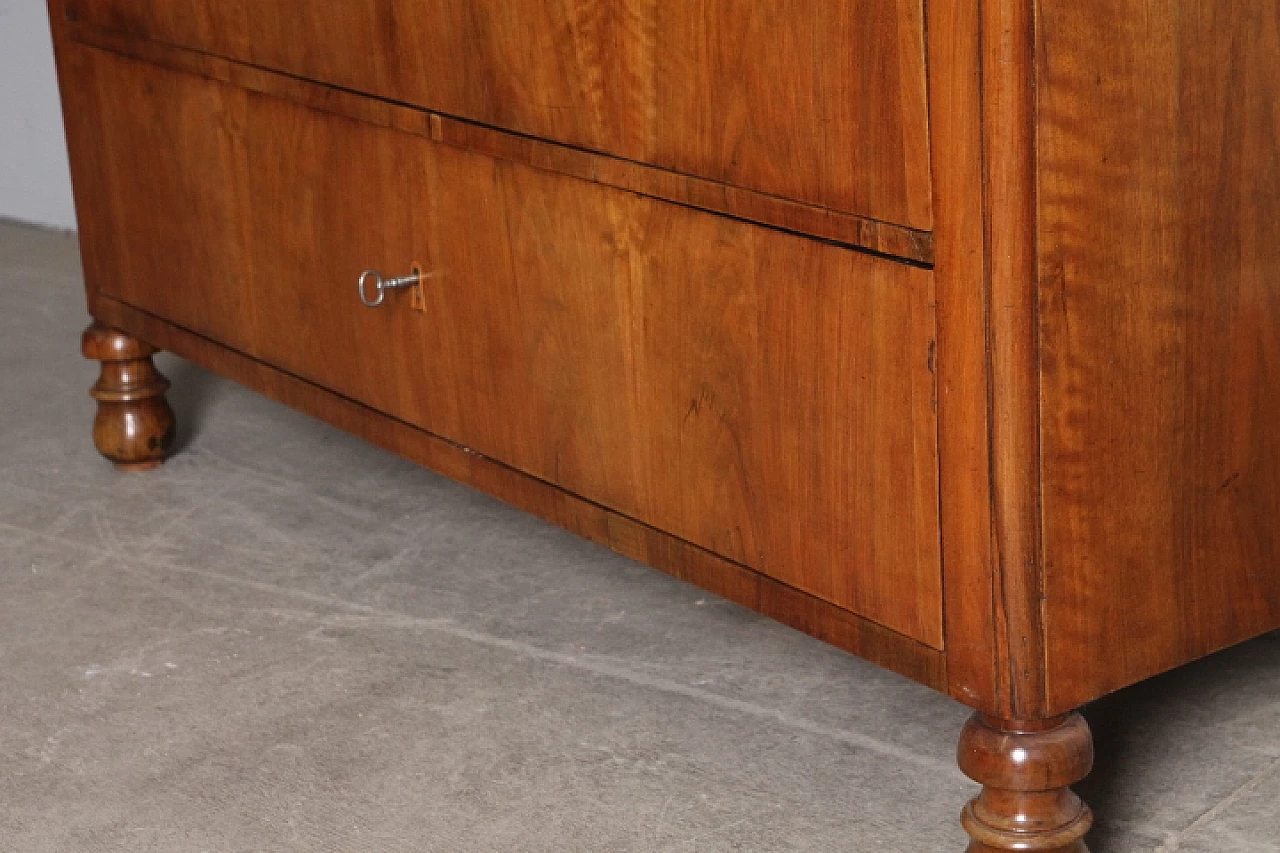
x=971, y=378
x=134, y=426
x=689, y=371
x=1159, y=232
x=885, y=238
x=1008, y=111
x=974, y=651
x=825, y=103
x=1026, y=769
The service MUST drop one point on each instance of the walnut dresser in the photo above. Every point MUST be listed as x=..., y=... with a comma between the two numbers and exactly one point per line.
x=947, y=331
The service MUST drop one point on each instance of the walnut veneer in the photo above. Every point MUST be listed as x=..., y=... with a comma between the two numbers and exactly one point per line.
x=946, y=332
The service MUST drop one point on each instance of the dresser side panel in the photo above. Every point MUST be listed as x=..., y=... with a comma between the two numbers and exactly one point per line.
x=1159, y=233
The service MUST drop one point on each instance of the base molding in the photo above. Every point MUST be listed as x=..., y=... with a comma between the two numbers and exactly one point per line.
x=690, y=563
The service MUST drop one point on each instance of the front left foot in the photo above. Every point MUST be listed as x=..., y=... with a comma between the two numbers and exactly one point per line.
x=134, y=426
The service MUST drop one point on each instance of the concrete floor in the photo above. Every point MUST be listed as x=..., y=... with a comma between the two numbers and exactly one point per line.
x=287, y=640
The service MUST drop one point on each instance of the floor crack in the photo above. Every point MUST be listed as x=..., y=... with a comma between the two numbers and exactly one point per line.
x=1175, y=843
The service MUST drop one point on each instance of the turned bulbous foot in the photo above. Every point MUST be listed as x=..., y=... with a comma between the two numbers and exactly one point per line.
x=1026, y=770
x=134, y=427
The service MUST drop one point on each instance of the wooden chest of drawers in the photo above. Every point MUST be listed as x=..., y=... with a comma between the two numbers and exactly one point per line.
x=945, y=332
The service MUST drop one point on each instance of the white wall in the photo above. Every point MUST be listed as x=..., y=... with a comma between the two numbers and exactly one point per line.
x=35, y=185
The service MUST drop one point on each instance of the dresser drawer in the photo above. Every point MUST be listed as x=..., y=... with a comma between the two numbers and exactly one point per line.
x=822, y=102
x=764, y=396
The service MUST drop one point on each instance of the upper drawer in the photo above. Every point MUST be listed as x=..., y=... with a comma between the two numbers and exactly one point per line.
x=821, y=101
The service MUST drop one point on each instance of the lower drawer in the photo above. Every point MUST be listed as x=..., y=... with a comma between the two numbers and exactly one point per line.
x=764, y=396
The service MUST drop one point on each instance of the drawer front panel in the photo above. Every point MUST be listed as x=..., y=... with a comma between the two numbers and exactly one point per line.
x=764, y=396
x=823, y=101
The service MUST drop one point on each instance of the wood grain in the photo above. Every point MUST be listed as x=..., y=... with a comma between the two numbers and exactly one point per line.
x=1009, y=109
x=766, y=397
x=847, y=229
x=1078, y=399
x=964, y=391
x=825, y=103
x=1160, y=321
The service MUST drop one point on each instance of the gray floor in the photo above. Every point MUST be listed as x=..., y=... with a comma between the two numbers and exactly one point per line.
x=289, y=640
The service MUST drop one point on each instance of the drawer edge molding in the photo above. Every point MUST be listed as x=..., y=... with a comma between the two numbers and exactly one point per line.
x=896, y=242
x=620, y=533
